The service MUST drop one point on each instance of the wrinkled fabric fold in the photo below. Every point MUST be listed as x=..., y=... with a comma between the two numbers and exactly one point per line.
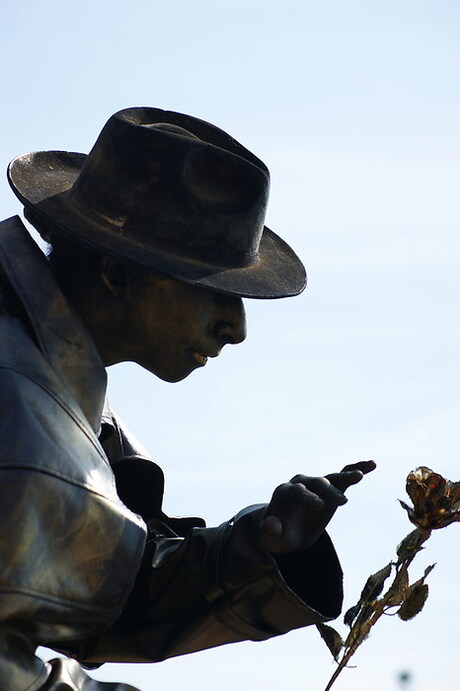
x=67, y=675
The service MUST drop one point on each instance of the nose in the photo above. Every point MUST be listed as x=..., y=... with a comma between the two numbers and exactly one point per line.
x=231, y=325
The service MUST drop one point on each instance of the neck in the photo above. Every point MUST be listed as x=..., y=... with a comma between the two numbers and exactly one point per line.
x=102, y=320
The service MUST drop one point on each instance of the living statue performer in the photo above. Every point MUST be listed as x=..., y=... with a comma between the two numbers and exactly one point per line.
x=155, y=237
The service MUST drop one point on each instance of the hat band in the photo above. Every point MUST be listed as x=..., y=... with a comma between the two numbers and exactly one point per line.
x=218, y=255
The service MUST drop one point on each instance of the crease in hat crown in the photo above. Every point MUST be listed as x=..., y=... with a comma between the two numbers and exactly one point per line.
x=168, y=191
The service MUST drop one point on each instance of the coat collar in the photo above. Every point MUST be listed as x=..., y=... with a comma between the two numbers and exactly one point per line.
x=63, y=339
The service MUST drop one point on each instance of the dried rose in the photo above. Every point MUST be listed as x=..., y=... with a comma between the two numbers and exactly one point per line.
x=436, y=500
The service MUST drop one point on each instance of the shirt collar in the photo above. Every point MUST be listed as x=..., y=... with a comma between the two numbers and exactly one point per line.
x=62, y=337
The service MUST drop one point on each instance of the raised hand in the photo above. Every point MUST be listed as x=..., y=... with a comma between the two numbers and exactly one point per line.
x=300, y=510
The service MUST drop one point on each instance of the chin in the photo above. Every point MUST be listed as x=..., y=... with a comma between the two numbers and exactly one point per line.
x=170, y=377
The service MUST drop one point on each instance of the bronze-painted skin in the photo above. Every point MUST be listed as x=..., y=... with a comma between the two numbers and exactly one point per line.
x=89, y=563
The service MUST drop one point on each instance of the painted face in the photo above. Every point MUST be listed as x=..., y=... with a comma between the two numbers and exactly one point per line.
x=175, y=327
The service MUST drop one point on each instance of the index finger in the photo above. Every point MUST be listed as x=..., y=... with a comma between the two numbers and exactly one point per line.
x=344, y=480
x=351, y=474
x=364, y=466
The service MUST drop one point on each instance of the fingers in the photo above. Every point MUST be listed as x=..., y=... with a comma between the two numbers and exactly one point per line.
x=317, y=493
x=331, y=487
x=351, y=474
x=300, y=510
x=342, y=481
x=290, y=495
x=364, y=466
x=296, y=516
x=330, y=493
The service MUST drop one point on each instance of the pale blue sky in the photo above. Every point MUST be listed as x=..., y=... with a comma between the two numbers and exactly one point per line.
x=354, y=108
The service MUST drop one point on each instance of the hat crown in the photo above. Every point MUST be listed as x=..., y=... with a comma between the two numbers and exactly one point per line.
x=170, y=192
x=161, y=185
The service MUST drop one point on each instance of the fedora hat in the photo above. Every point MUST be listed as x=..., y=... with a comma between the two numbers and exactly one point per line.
x=170, y=192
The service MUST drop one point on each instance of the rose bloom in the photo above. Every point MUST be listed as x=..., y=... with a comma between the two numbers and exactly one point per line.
x=436, y=500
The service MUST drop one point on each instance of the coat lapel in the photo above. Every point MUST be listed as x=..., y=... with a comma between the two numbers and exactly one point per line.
x=62, y=337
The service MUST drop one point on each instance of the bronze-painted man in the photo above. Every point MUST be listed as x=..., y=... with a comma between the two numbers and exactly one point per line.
x=155, y=237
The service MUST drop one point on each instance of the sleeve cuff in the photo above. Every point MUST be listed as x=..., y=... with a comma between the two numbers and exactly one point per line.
x=259, y=596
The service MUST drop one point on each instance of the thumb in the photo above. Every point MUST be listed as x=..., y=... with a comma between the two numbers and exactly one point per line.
x=272, y=526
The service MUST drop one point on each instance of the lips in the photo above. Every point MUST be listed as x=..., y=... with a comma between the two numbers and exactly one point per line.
x=199, y=358
x=202, y=359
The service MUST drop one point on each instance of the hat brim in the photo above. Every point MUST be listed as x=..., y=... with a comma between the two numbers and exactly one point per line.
x=42, y=181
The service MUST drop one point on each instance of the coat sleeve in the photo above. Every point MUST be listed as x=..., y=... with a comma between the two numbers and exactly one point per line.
x=215, y=587
x=210, y=587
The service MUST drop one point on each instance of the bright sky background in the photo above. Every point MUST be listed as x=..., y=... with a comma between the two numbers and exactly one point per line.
x=354, y=108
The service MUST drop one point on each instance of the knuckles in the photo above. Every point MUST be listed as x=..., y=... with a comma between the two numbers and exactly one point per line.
x=311, y=483
x=290, y=494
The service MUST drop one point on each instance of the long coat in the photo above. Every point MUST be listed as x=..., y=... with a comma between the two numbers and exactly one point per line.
x=89, y=563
